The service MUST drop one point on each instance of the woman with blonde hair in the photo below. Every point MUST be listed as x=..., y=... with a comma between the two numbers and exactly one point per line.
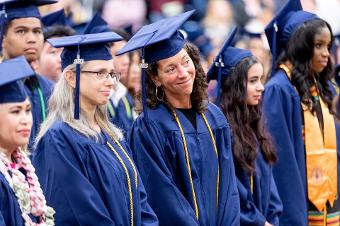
x=21, y=199
x=84, y=165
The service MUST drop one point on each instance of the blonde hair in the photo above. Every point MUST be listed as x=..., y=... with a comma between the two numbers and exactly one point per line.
x=61, y=108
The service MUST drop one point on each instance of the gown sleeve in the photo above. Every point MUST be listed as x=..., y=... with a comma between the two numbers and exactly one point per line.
x=148, y=144
x=148, y=216
x=249, y=214
x=275, y=204
x=66, y=189
x=288, y=175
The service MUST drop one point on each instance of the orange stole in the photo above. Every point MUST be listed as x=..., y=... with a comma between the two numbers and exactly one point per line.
x=321, y=157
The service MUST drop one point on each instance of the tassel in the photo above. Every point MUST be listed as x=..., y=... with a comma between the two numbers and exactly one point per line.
x=219, y=64
x=143, y=66
x=274, y=54
x=78, y=62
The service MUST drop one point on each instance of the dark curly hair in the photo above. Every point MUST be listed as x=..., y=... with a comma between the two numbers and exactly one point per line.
x=199, y=94
x=245, y=120
x=299, y=51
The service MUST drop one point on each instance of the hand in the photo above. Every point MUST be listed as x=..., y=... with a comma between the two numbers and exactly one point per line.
x=267, y=224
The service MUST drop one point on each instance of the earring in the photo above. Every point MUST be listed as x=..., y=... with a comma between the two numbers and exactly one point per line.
x=159, y=99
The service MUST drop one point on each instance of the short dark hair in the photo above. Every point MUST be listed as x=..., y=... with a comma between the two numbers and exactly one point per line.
x=58, y=31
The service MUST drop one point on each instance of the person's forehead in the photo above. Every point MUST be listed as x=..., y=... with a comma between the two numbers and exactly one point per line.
x=29, y=22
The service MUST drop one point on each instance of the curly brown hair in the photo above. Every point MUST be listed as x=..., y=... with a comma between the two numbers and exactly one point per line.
x=199, y=94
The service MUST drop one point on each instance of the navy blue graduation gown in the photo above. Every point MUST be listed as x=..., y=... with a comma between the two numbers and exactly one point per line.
x=122, y=116
x=282, y=109
x=10, y=213
x=46, y=86
x=159, y=154
x=264, y=204
x=85, y=182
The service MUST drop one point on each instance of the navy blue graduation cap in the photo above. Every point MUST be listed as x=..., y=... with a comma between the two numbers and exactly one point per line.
x=55, y=18
x=96, y=25
x=15, y=9
x=159, y=40
x=12, y=89
x=225, y=61
x=81, y=48
x=283, y=25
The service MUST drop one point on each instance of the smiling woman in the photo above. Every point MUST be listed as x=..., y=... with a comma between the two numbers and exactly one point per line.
x=181, y=143
x=21, y=199
x=81, y=158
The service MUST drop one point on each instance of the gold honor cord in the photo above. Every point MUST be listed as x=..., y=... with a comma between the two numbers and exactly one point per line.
x=252, y=183
x=128, y=180
x=121, y=148
x=188, y=161
x=102, y=125
x=127, y=107
x=216, y=151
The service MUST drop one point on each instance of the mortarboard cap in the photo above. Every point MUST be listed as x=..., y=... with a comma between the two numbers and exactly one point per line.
x=55, y=18
x=14, y=9
x=226, y=60
x=96, y=25
x=82, y=48
x=283, y=25
x=12, y=71
x=158, y=41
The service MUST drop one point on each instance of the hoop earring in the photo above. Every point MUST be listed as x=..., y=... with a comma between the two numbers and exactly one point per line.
x=159, y=99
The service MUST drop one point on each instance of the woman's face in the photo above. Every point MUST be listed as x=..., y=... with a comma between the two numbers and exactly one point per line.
x=322, y=42
x=15, y=124
x=176, y=75
x=96, y=83
x=254, y=84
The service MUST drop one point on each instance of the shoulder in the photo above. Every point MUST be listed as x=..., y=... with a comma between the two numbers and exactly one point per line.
x=45, y=82
x=159, y=118
x=279, y=83
x=215, y=115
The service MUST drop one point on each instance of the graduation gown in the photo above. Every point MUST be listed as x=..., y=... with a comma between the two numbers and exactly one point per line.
x=158, y=151
x=86, y=183
x=46, y=87
x=282, y=109
x=10, y=213
x=122, y=115
x=264, y=204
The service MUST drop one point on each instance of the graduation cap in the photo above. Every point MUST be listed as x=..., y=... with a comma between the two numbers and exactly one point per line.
x=12, y=89
x=283, y=25
x=15, y=9
x=55, y=18
x=159, y=40
x=225, y=61
x=96, y=25
x=81, y=48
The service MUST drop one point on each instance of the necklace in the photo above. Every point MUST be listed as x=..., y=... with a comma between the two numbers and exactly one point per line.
x=26, y=189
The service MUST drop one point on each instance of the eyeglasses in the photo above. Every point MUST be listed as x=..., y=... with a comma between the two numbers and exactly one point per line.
x=103, y=74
